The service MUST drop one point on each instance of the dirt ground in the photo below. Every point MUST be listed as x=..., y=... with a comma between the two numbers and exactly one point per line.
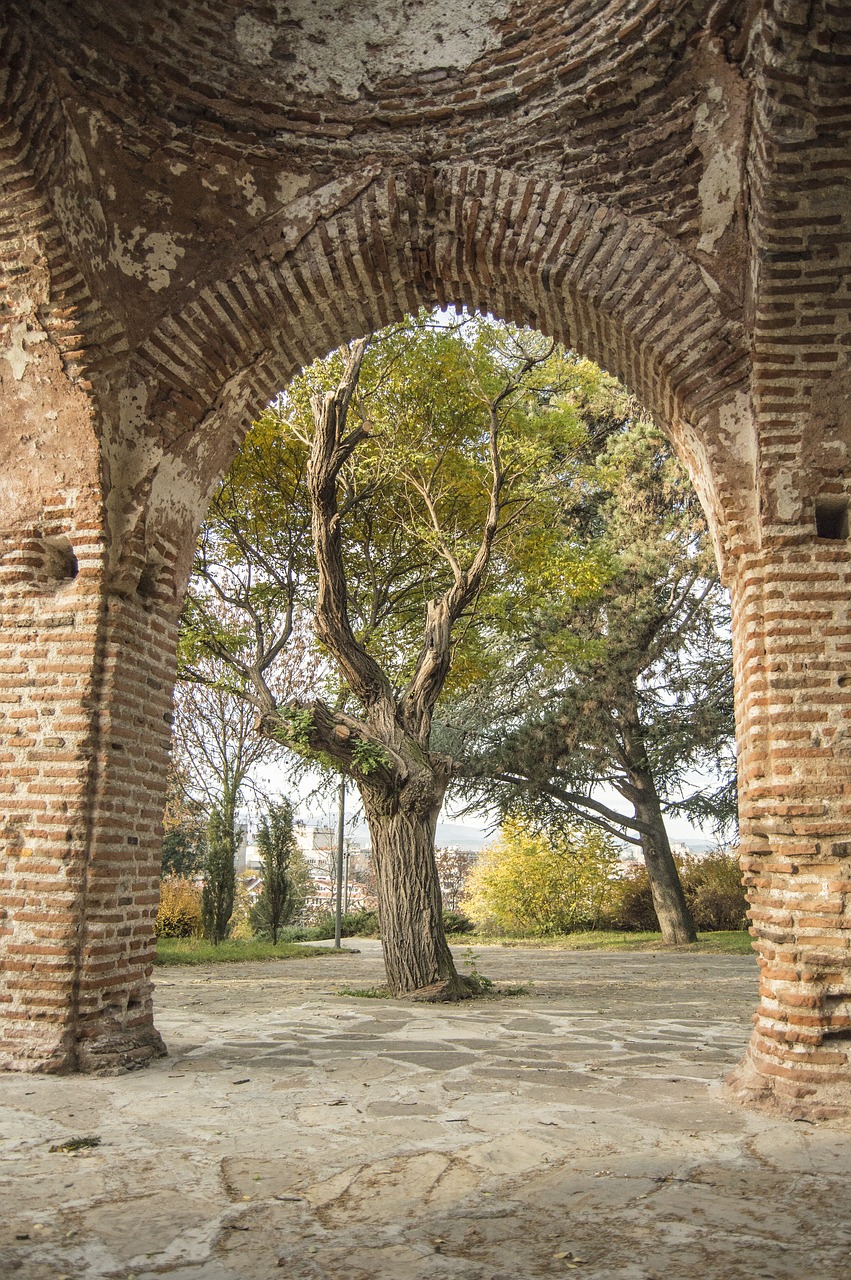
x=579, y=1127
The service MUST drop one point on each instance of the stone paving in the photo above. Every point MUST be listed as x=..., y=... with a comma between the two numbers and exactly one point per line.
x=579, y=1127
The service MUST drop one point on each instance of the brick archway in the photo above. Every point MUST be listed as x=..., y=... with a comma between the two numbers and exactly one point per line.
x=361, y=254
x=139, y=347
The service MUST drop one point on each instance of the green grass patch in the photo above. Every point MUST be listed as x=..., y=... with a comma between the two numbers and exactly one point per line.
x=366, y=993
x=232, y=951
x=732, y=942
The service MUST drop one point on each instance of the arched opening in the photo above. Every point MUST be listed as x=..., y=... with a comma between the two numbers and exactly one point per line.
x=260, y=492
x=341, y=263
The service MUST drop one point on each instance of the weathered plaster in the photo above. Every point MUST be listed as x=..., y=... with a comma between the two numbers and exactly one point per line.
x=341, y=48
x=22, y=336
x=150, y=256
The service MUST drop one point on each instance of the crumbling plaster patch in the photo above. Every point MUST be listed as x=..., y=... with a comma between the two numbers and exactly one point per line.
x=149, y=256
x=340, y=48
x=720, y=131
x=720, y=184
x=22, y=336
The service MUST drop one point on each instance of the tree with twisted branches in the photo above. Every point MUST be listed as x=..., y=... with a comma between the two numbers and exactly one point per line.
x=414, y=483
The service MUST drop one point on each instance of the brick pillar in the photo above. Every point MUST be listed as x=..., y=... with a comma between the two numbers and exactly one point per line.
x=793, y=643
x=85, y=706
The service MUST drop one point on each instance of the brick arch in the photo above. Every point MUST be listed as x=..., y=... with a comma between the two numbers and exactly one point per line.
x=374, y=247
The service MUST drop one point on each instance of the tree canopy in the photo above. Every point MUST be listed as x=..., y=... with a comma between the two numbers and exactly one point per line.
x=633, y=675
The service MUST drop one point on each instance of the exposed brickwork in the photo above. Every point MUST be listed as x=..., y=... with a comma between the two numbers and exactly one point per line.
x=660, y=185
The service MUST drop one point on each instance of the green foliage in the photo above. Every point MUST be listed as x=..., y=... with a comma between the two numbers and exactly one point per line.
x=301, y=933
x=713, y=888
x=623, y=676
x=282, y=869
x=359, y=924
x=297, y=724
x=184, y=851
x=184, y=834
x=75, y=1144
x=539, y=884
x=631, y=905
x=457, y=922
x=179, y=910
x=367, y=993
x=324, y=924
x=368, y=756
x=413, y=501
x=725, y=942
x=217, y=898
x=353, y=924
x=478, y=982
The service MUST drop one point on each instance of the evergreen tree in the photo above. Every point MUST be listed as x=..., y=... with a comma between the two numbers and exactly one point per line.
x=217, y=898
x=615, y=706
x=277, y=849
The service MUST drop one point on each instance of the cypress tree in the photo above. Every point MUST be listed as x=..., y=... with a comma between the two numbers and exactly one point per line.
x=219, y=878
x=276, y=845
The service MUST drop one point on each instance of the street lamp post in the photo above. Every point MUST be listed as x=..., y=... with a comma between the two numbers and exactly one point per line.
x=341, y=823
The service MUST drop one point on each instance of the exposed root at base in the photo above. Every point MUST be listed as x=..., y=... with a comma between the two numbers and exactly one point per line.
x=450, y=991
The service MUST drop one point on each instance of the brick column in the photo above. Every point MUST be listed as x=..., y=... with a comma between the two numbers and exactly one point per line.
x=793, y=643
x=85, y=684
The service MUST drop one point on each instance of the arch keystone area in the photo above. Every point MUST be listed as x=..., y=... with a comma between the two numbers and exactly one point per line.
x=193, y=206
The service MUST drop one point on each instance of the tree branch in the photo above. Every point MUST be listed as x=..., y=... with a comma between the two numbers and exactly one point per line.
x=593, y=810
x=314, y=729
x=329, y=450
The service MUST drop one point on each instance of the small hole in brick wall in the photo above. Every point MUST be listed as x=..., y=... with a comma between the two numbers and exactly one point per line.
x=832, y=518
x=60, y=563
x=134, y=1003
x=147, y=585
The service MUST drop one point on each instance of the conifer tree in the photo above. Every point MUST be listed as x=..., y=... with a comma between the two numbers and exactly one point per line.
x=219, y=877
x=276, y=846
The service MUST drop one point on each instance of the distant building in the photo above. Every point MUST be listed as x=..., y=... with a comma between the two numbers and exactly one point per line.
x=324, y=898
x=318, y=844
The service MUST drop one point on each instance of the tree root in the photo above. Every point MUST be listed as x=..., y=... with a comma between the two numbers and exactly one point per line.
x=449, y=991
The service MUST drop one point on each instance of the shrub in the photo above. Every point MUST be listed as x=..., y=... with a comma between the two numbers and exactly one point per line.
x=457, y=922
x=301, y=933
x=631, y=905
x=353, y=924
x=179, y=912
x=217, y=896
x=241, y=925
x=360, y=924
x=541, y=884
x=712, y=884
x=323, y=923
x=714, y=891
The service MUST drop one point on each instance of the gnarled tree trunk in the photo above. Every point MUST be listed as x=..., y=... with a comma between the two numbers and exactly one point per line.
x=402, y=825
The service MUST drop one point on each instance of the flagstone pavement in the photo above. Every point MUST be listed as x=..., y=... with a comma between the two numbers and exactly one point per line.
x=581, y=1126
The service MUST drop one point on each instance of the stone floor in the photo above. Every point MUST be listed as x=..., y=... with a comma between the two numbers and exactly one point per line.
x=580, y=1127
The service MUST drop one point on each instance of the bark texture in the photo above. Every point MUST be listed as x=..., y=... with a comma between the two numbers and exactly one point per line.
x=416, y=953
x=669, y=903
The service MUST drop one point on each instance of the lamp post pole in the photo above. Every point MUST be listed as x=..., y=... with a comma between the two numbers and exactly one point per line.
x=341, y=823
